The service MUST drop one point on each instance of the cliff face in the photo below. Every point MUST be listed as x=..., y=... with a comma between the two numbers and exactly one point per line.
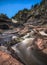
x=35, y=16
x=39, y=15
x=5, y=22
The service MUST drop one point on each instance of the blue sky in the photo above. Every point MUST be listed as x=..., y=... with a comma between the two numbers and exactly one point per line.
x=11, y=7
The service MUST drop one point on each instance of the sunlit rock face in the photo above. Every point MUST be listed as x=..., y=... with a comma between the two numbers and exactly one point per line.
x=7, y=59
x=30, y=52
x=14, y=21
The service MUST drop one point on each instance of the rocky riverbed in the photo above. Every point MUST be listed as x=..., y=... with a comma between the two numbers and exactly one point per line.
x=23, y=38
x=31, y=48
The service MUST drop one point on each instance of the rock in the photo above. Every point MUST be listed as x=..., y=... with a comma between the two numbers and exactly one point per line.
x=30, y=51
x=14, y=21
x=4, y=26
x=4, y=49
x=29, y=35
x=23, y=31
x=6, y=59
x=42, y=33
x=14, y=37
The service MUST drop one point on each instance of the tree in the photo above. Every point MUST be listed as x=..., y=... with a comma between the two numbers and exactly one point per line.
x=4, y=16
x=21, y=15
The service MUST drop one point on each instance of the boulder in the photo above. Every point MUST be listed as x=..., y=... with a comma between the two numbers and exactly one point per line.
x=6, y=59
x=31, y=51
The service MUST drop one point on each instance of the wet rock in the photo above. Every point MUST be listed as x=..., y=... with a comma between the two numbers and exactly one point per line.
x=31, y=51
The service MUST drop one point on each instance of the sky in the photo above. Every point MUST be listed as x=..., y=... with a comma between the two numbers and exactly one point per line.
x=11, y=7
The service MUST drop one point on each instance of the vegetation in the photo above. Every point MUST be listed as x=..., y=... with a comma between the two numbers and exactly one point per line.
x=35, y=11
x=4, y=16
x=21, y=15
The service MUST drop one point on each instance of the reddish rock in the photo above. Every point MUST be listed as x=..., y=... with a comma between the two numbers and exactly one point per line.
x=6, y=59
x=42, y=44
